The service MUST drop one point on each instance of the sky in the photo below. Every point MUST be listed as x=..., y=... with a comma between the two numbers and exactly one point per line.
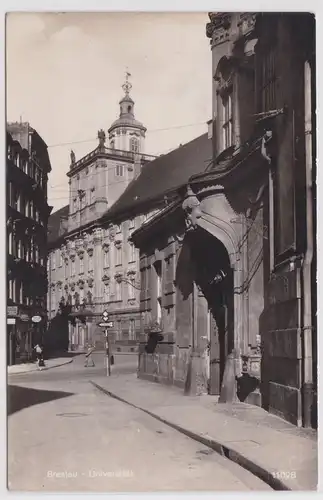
x=65, y=72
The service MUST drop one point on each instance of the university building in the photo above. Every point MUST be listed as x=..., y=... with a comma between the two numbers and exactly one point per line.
x=27, y=212
x=228, y=289
x=93, y=264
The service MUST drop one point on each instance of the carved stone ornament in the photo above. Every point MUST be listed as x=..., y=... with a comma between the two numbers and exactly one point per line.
x=118, y=277
x=80, y=253
x=106, y=279
x=192, y=211
x=218, y=29
x=131, y=273
x=90, y=282
x=90, y=251
x=118, y=243
x=80, y=284
x=106, y=247
x=72, y=285
x=97, y=238
x=72, y=257
x=247, y=23
x=66, y=287
x=53, y=285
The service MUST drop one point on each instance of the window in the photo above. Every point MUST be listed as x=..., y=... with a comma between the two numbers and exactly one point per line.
x=158, y=269
x=53, y=261
x=81, y=265
x=90, y=267
x=268, y=81
x=16, y=200
x=10, y=193
x=106, y=259
x=19, y=249
x=118, y=256
x=66, y=269
x=112, y=144
x=119, y=330
x=10, y=289
x=10, y=242
x=25, y=207
x=16, y=159
x=73, y=267
x=106, y=293
x=118, y=291
x=132, y=254
x=31, y=209
x=131, y=288
x=119, y=170
x=92, y=194
x=60, y=259
x=81, y=295
x=53, y=301
x=134, y=145
x=19, y=292
x=227, y=121
x=75, y=205
x=132, y=329
x=131, y=224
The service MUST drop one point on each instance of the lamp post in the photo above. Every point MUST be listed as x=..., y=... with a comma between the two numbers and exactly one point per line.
x=106, y=324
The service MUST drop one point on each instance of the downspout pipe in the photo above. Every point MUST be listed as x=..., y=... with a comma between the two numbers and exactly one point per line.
x=307, y=392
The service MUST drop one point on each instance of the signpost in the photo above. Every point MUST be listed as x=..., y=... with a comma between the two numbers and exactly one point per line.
x=36, y=319
x=106, y=324
x=12, y=310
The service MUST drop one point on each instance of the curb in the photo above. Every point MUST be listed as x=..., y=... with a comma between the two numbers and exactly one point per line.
x=230, y=453
x=44, y=369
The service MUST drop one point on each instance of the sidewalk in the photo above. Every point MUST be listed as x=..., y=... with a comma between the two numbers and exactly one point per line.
x=284, y=456
x=32, y=367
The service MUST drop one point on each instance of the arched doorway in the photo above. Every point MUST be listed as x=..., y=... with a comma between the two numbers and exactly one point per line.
x=214, y=277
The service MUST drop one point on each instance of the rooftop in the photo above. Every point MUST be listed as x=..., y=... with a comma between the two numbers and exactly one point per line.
x=54, y=222
x=163, y=175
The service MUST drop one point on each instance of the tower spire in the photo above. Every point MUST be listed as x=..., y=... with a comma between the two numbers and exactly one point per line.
x=127, y=85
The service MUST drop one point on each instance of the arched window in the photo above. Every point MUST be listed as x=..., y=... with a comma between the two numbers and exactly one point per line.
x=112, y=144
x=224, y=90
x=134, y=145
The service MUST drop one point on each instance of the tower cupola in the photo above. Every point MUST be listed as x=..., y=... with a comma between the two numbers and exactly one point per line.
x=126, y=132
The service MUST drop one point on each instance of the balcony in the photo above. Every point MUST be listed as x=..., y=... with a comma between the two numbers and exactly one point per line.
x=111, y=153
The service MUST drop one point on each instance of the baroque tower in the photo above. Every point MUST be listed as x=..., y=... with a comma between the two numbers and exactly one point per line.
x=127, y=133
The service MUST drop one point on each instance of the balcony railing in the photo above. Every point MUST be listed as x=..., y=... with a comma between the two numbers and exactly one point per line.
x=115, y=153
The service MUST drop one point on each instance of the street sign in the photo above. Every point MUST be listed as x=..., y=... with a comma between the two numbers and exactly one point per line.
x=11, y=321
x=109, y=324
x=36, y=319
x=12, y=310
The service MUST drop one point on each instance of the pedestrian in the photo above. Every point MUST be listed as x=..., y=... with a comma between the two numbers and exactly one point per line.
x=88, y=356
x=39, y=355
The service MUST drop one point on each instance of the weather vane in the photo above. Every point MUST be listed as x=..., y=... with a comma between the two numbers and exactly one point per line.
x=127, y=85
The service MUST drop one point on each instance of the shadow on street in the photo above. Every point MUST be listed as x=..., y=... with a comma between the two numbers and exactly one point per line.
x=19, y=398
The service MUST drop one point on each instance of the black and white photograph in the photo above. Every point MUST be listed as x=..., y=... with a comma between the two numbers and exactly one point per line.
x=161, y=252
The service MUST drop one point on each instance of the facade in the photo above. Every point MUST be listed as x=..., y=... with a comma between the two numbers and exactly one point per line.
x=228, y=269
x=28, y=166
x=92, y=264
